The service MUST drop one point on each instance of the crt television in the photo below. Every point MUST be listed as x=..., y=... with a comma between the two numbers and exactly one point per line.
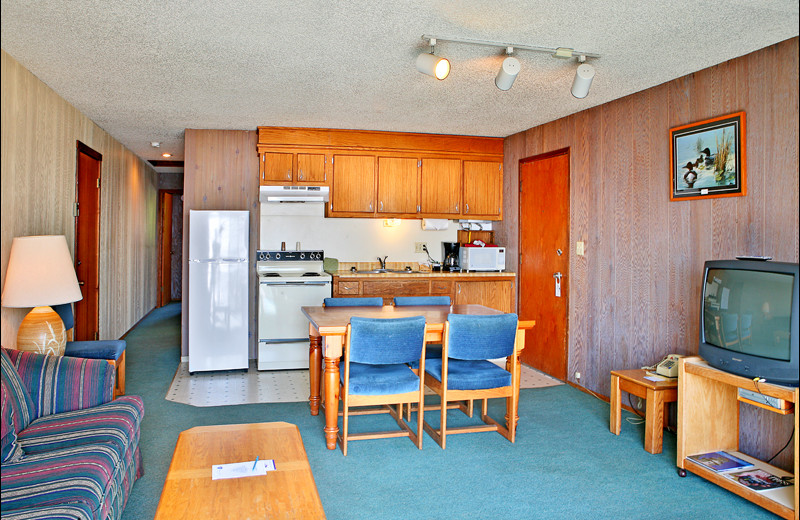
x=748, y=319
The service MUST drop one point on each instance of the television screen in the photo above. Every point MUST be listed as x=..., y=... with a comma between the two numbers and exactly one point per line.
x=749, y=312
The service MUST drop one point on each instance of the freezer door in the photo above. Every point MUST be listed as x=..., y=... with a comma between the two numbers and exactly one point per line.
x=218, y=316
x=219, y=235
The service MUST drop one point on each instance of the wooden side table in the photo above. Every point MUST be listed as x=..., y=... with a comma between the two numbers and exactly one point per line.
x=656, y=393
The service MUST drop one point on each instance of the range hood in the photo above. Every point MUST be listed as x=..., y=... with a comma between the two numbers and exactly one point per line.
x=294, y=193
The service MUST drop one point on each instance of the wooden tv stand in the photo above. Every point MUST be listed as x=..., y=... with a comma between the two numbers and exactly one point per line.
x=708, y=420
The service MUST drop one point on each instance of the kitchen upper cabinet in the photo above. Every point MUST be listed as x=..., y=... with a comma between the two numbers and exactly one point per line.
x=353, y=185
x=483, y=190
x=286, y=168
x=398, y=185
x=440, y=187
x=276, y=167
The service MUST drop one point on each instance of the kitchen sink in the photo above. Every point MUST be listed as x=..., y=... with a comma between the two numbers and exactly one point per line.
x=383, y=271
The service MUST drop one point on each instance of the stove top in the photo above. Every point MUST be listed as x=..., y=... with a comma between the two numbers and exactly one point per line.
x=290, y=256
x=291, y=266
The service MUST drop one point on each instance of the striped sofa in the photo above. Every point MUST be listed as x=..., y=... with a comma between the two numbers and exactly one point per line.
x=68, y=450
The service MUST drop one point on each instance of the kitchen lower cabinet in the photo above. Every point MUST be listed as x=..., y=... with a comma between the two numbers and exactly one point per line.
x=496, y=290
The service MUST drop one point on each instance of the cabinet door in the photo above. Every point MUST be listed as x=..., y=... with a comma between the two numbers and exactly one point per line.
x=398, y=185
x=483, y=189
x=310, y=168
x=440, y=186
x=276, y=167
x=495, y=294
x=353, y=186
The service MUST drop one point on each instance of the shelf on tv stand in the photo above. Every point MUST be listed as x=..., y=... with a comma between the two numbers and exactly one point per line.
x=708, y=420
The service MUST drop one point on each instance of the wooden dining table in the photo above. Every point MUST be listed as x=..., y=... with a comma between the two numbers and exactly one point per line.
x=326, y=332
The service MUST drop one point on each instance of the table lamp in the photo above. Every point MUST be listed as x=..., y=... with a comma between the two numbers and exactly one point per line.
x=40, y=273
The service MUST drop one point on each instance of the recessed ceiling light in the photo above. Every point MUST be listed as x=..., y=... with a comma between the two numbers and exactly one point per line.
x=166, y=155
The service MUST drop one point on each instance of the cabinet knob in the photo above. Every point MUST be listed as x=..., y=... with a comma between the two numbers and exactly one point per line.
x=289, y=174
x=381, y=206
x=466, y=208
x=300, y=175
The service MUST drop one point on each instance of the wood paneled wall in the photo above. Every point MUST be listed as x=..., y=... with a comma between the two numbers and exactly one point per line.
x=635, y=295
x=39, y=134
x=220, y=172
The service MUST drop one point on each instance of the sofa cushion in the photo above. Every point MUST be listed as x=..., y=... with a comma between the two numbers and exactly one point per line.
x=116, y=423
x=62, y=384
x=11, y=449
x=22, y=409
x=88, y=474
x=74, y=511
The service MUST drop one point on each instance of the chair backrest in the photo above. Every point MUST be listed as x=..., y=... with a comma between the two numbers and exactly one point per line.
x=402, y=301
x=481, y=337
x=65, y=312
x=377, y=301
x=376, y=341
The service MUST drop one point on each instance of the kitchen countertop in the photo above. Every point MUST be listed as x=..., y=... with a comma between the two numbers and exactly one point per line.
x=427, y=274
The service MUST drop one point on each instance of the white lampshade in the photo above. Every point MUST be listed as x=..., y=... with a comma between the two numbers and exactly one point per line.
x=433, y=65
x=40, y=272
x=582, y=81
x=508, y=73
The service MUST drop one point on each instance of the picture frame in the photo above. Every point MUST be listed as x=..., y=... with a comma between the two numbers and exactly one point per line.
x=707, y=158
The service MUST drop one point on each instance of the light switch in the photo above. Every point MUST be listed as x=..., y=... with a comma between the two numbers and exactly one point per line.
x=580, y=248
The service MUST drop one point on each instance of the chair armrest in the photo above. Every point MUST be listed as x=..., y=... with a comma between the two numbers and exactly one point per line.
x=62, y=384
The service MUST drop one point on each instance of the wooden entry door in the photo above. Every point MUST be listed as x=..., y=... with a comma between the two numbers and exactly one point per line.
x=544, y=260
x=87, y=243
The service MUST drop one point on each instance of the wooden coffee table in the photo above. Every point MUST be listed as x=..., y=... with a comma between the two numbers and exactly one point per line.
x=287, y=492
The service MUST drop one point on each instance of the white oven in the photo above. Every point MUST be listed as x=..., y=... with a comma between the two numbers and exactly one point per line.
x=287, y=280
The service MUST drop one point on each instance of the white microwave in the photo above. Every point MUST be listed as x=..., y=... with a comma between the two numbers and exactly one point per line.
x=482, y=258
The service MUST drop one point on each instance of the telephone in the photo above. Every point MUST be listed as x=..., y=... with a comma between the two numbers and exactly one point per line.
x=668, y=367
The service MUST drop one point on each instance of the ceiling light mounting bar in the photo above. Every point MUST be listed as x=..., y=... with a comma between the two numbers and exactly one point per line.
x=560, y=52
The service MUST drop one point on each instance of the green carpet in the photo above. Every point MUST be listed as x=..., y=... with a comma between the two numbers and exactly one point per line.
x=564, y=464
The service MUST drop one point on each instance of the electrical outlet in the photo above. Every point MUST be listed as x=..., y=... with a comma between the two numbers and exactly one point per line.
x=580, y=248
x=419, y=247
x=578, y=376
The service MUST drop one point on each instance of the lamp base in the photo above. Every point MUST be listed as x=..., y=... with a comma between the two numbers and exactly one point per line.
x=42, y=331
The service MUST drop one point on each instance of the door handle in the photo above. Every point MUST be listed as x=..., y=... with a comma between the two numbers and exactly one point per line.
x=558, y=277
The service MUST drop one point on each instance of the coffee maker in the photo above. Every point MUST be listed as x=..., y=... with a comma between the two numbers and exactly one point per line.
x=450, y=262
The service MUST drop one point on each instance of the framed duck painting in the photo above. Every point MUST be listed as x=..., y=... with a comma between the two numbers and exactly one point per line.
x=707, y=158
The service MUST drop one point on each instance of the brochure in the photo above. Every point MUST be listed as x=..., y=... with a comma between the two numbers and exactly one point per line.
x=759, y=480
x=242, y=469
x=720, y=461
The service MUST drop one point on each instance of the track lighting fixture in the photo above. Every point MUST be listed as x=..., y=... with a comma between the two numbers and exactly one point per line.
x=508, y=71
x=583, y=79
x=439, y=68
x=431, y=64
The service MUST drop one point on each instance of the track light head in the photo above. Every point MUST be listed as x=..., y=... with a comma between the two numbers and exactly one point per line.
x=508, y=73
x=433, y=65
x=583, y=80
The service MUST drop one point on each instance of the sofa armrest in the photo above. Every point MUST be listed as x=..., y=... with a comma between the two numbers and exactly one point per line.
x=62, y=384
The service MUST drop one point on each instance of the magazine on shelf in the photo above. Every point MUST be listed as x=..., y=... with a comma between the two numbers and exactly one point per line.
x=720, y=461
x=759, y=480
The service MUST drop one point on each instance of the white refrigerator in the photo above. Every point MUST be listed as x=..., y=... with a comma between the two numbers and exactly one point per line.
x=218, y=290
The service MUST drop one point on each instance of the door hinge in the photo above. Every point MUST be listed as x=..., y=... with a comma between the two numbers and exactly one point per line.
x=75, y=210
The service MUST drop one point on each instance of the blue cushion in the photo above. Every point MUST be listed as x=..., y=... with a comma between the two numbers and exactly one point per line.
x=431, y=351
x=65, y=311
x=386, y=341
x=481, y=337
x=402, y=301
x=353, y=302
x=381, y=379
x=102, y=349
x=469, y=375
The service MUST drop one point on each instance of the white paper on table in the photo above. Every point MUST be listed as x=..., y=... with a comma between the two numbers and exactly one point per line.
x=241, y=469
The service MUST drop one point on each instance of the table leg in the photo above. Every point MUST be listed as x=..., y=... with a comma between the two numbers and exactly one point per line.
x=616, y=409
x=314, y=366
x=654, y=422
x=331, y=401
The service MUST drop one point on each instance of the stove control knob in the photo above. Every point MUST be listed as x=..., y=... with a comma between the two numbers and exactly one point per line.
x=302, y=256
x=277, y=256
x=266, y=256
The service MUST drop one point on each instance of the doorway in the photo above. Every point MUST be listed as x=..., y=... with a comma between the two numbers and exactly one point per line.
x=170, y=246
x=87, y=242
x=544, y=260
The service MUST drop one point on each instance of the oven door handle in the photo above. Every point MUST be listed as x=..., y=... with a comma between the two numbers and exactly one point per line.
x=298, y=284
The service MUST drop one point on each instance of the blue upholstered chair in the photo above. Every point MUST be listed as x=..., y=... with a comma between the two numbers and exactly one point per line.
x=112, y=350
x=376, y=373
x=464, y=372
x=353, y=302
x=403, y=301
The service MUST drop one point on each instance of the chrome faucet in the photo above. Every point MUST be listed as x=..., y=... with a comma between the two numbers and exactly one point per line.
x=383, y=262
